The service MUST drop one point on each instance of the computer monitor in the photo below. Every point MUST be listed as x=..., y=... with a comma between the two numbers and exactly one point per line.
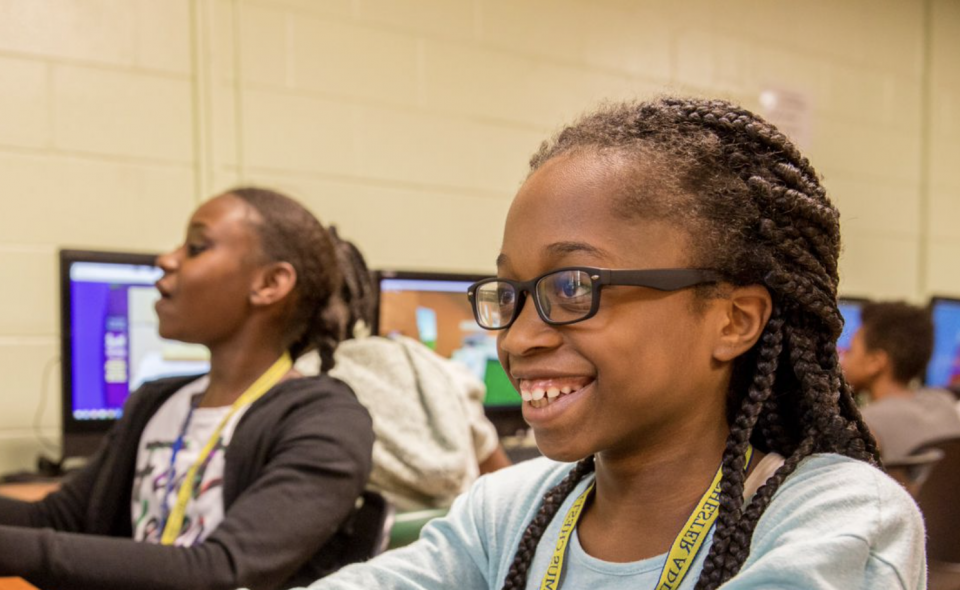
x=850, y=311
x=944, y=367
x=433, y=308
x=109, y=341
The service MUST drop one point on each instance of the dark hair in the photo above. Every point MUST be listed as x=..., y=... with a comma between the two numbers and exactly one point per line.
x=290, y=233
x=357, y=292
x=903, y=331
x=759, y=216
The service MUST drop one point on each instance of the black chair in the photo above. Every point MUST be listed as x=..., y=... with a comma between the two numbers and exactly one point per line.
x=913, y=470
x=368, y=528
x=937, y=498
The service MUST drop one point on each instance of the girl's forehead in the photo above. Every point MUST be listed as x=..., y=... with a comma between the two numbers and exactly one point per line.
x=570, y=212
x=228, y=219
x=225, y=210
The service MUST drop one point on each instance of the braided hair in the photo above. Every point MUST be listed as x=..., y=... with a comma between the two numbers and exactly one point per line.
x=761, y=217
x=357, y=293
x=289, y=232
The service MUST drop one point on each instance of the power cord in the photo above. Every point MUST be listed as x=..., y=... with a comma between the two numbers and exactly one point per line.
x=45, y=465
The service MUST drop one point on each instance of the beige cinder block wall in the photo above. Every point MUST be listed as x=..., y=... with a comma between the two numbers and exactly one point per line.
x=408, y=123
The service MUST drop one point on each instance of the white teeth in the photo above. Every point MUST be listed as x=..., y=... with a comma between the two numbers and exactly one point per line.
x=540, y=397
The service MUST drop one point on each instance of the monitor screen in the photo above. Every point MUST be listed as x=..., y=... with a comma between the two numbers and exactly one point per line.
x=110, y=342
x=850, y=311
x=944, y=367
x=433, y=308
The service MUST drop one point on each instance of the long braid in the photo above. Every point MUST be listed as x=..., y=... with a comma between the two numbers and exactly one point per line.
x=358, y=293
x=759, y=503
x=517, y=575
x=771, y=345
x=848, y=404
x=761, y=217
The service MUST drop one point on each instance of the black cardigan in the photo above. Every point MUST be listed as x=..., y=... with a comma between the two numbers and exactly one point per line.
x=297, y=461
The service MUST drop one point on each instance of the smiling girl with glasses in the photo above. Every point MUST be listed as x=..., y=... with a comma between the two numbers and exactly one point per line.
x=703, y=431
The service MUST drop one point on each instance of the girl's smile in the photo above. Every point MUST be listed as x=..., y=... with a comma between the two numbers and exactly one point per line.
x=549, y=398
x=542, y=391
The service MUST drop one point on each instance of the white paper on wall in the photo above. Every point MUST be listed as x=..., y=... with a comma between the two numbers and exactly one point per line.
x=791, y=111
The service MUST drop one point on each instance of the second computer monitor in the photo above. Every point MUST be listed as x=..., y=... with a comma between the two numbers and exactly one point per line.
x=433, y=308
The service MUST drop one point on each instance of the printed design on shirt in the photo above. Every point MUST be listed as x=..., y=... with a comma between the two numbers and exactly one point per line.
x=150, y=485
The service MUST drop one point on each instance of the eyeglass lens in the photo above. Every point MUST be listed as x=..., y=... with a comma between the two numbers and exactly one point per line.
x=562, y=296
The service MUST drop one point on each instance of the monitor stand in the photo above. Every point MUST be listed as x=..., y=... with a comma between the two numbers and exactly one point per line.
x=81, y=444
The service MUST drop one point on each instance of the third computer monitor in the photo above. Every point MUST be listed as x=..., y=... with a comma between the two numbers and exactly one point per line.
x=944, y=367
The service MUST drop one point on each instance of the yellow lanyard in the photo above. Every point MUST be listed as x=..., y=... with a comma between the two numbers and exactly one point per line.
x=682, y=553
x=262, y=385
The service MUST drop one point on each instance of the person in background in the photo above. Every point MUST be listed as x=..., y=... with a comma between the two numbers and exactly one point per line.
x=666, y=296
x=888, y=356
x=243, y=476
x=432, y=436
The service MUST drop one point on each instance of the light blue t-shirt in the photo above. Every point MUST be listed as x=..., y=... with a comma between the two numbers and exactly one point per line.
x=834, y=523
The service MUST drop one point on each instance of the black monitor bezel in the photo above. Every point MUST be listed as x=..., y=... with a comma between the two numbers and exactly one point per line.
x=412, y=275
x=935, y=298
x=82, y=437
x=853, y=299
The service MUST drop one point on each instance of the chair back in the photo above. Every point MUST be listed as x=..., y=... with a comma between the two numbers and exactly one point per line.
x=368, y=528
x=407, y=525
x=939, y=503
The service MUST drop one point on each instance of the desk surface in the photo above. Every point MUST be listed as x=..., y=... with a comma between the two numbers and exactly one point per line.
x=15, y=584
x=29, y=492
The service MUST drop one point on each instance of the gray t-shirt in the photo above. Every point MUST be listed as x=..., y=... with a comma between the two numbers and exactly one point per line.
x=904, y=424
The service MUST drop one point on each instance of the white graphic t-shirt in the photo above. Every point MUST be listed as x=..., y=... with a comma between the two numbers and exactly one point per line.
x=153, y=498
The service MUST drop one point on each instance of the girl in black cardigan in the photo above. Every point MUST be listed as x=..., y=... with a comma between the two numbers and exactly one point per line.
x=243, y=476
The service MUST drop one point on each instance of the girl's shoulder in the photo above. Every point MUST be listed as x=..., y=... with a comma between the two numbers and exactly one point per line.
x=837, y=522
x=824, y=472
x=512, y=494
x=832, y=496
x=843, y=485
x=310, y=395
x=488, y=521
x=322, y=385
x=508, y=499
x=531, y=476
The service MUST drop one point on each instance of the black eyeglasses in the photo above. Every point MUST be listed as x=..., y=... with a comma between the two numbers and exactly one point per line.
x=569, y=295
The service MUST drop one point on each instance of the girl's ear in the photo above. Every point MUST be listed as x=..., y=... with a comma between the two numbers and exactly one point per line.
x=746, y=311
x=876, y=362
x=273, y=283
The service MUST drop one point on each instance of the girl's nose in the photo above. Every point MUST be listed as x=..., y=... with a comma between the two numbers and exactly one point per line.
x=168, y=261
x=529, y=333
